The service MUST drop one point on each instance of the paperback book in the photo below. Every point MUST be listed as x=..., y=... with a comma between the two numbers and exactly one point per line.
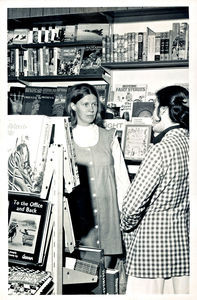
x=28, y=143
x=27, y=230
x=69, y=60
x=91, y=61
x=38, y=101
x=60, y=100
x=129, y=93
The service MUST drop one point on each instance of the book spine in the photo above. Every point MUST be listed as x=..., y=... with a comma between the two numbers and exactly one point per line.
x=132, y=55
x=162, y=46
x=166, y=45
x=144, y=54
x=104, y=49
x=140, y=46
x=108, y=50
x=151, y=47
x=17, y=62
x=183, y=41
x=136, y=47
x=175, y=40
x=25, y=62
x=157, y=46
x=112, y=282
x=21, y=63
x=115, y=46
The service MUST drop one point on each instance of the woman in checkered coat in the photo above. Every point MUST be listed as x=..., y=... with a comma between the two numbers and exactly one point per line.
x=155, y=212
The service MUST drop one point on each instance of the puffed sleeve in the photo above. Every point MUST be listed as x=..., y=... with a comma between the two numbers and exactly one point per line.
x=121, y=173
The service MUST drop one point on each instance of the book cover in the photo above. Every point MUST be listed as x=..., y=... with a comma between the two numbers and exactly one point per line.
x=47, y=101
x=20, y=36
x=38, y=101
x=10, y=37
x=92, y=32
x=183, y=41
x=28, y=141
x=91, y=60
x=15, y=100
x=143, y=109
x=70, y=33
x=32, y=100
x=128, y=93
x=60, y=100
x=102, y=90
x=27, y=229
x=112, y=281
x=69, y=60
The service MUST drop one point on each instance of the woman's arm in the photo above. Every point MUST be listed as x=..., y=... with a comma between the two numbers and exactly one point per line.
x=141, y=189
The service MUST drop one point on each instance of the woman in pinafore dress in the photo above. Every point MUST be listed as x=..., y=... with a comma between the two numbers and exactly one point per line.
x=95, y=203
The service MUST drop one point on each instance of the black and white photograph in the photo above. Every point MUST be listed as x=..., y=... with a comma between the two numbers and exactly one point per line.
x=98, y=147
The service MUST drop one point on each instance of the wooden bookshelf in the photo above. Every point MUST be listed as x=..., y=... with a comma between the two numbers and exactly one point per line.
x=146, y=64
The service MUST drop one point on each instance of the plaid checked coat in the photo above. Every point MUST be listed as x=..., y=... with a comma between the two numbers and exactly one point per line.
x=155, y=213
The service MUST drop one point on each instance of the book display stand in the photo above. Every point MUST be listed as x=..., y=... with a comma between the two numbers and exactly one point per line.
x=58, y=232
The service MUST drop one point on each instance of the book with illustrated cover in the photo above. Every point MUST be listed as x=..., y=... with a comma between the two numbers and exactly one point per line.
x=129, y=93
x=60, y=100
x=102, y=90
x=32, y=99
x=92, y=32
x=27, y=229
x=112, y=281
x=69, y=60
x=38, y=101
x=15, y=100
x=20, y=36
x=28, y=143
x=91, y=61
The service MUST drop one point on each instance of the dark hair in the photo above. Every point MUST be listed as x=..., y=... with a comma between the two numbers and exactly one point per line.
x=76, y=93
x=176, y=98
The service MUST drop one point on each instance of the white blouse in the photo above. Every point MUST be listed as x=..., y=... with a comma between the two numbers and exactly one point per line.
x=88, y=136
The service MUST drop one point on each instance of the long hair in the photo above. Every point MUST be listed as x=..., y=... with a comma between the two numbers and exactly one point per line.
x=76, y=93
x=176, y=98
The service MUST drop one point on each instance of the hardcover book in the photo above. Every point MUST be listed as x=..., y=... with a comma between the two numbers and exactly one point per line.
x=27, y=230
x=28, y=143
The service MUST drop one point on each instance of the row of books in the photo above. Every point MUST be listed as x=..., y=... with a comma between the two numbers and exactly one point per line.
x=30, y=154
x=47, y=61
x=58, y=33
x=49, y=101
x=148, y=46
